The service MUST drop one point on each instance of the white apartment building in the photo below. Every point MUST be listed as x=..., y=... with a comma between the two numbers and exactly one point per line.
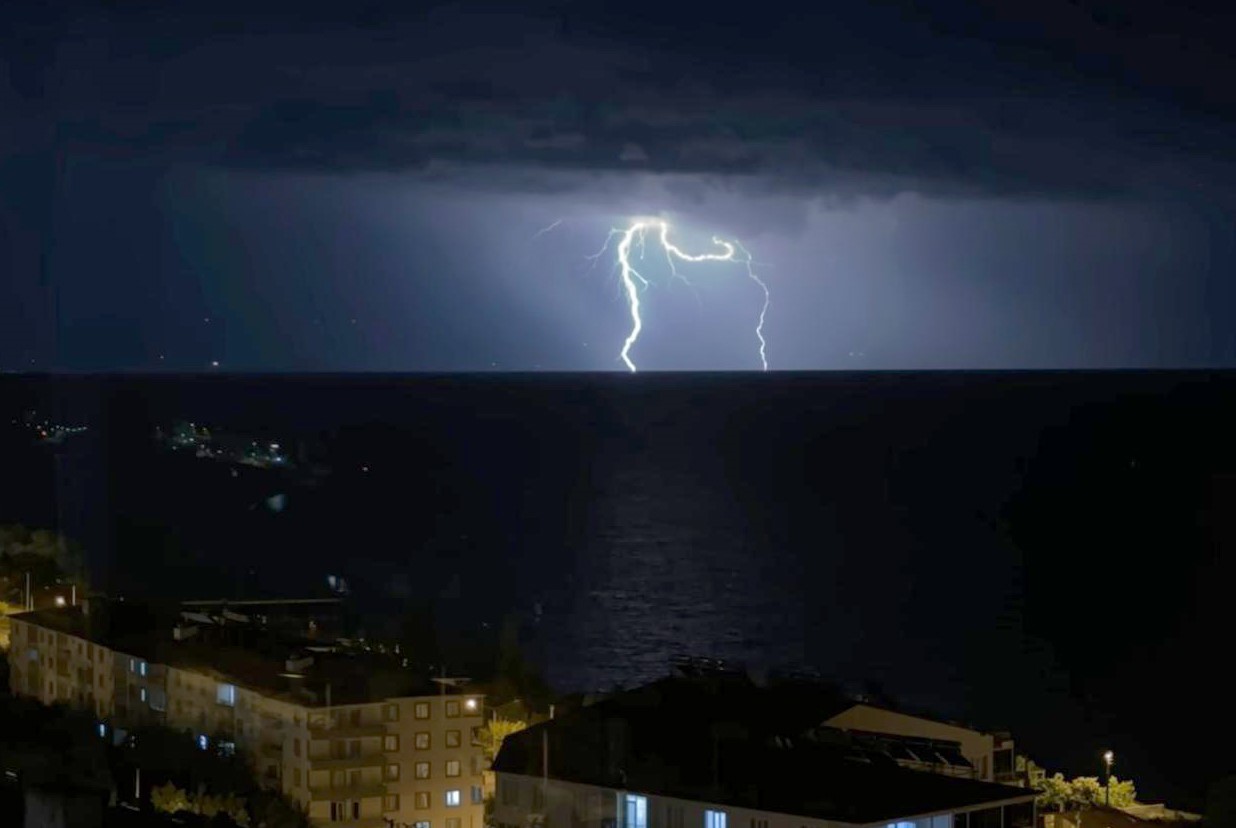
x=724, y=753
x=530, y=801
x=355, y=757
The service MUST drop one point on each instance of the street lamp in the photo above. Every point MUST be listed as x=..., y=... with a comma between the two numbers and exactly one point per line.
x=1108, y=758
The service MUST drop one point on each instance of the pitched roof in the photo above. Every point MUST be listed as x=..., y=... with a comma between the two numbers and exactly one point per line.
x=730, y=742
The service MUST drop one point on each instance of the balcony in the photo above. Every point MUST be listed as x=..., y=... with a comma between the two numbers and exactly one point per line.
x=344, y=730
x=270, y=750
x=368, y=759
x=364, y=790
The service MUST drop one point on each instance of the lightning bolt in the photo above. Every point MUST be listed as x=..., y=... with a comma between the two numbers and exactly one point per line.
x=633, y=282
x=545, y=230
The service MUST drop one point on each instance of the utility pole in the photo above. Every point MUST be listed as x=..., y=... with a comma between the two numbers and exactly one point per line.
x=1108, y=757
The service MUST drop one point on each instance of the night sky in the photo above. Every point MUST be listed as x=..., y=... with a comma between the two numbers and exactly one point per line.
x=347, y=186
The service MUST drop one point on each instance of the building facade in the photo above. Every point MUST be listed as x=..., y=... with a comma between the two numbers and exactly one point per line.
x=410, y=760
x=522, y=801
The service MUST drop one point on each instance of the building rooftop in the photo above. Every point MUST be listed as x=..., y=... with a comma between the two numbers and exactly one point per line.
x=727, y=741
x=237, y=649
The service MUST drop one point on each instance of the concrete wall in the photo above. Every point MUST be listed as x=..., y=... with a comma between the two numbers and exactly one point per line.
x=975, y=746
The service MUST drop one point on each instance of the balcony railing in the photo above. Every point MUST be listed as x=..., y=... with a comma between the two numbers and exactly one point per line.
x=344, y=730
x=363, y=790
x=368, y=759
x=270, y=750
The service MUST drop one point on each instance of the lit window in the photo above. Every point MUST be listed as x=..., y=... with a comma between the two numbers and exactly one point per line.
x=478, y=795
x=452, y=767
x=102, y=731
x=390, y=802
x=422, y=800
x=452, y=709
x=422, y=770
x=225, y=694
x=390, y=743
x=422, y=824
x=227, y=748
x=133, y=665
x=714, y=819
x=453, y=799
x=141, y=668
x=635, y=814
x=452, y=738
x=421, y=710
x=422, y=741
x=203, y=742
x=392, y=772
x=141, y=694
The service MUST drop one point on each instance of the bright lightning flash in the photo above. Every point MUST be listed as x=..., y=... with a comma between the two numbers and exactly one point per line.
x=633, y=282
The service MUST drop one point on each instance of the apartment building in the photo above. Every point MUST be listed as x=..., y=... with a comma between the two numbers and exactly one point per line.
x=723, y=753
x=346, y=733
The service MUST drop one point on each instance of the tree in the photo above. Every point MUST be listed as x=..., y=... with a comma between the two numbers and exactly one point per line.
x=1055, y=793
x=229, y=805
x=1124, y=793
x=271, y=809
x=1087, y=791
x=495, y=733
x=47, y=556
x=169, y=799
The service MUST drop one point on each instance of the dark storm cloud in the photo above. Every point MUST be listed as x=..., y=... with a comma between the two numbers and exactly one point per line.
x=959, y=101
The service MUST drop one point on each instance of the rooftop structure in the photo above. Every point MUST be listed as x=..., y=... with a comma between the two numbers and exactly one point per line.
x=724, y=745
